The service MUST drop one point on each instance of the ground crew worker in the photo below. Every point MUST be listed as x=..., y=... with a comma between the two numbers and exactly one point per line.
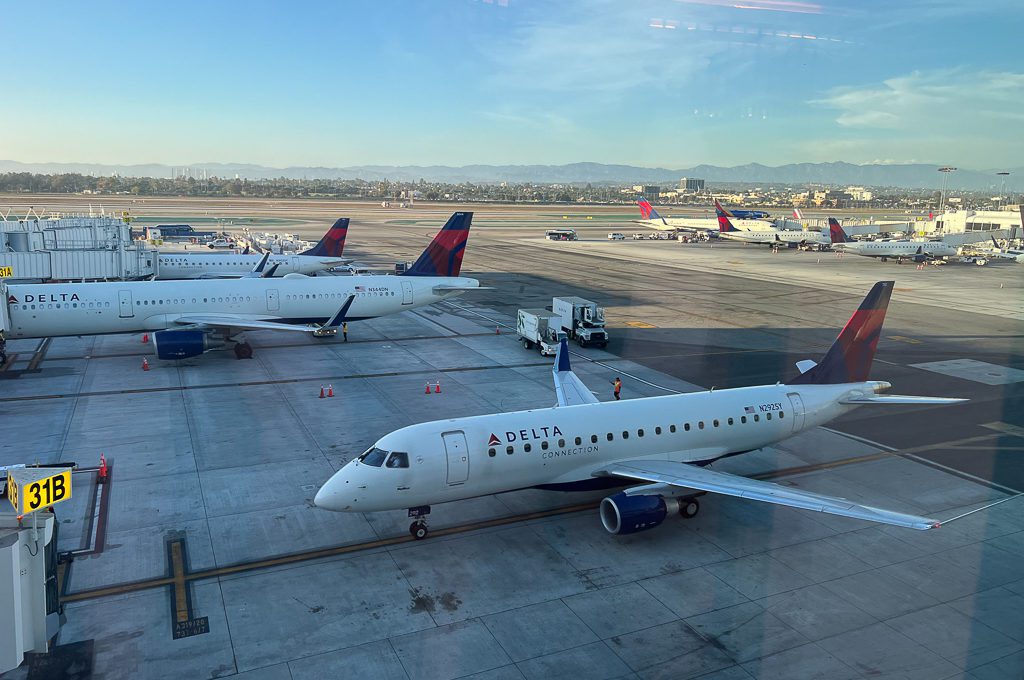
x=344, y=330
x=618, y=387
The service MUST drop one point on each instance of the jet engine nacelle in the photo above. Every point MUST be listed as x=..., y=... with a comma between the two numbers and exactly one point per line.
x=183, y=344
x=622, y=514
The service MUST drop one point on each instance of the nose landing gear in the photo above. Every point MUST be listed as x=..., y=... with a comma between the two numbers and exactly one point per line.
x=418, y=528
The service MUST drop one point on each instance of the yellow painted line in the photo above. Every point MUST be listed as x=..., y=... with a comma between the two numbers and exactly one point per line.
x=640, y=324
x=903, y=338
x=1005, y=428
x=180, y=595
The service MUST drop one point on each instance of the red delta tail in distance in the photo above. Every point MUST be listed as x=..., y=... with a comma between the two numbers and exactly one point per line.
x=333, y=242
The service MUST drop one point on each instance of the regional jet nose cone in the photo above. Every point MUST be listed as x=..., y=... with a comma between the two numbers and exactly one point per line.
x=331, y=496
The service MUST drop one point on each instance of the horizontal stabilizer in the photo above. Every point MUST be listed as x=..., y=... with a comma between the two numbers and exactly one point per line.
x=446, y=288
x=569, y=389
x=806, y=365
x=899, y=399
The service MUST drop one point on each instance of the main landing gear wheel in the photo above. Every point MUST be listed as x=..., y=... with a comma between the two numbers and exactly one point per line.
x=419, y=530
x=689, y=508
x=243, y=350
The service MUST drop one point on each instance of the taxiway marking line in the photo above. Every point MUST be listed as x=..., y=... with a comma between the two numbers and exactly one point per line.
x=180, y=598
x=40, y=354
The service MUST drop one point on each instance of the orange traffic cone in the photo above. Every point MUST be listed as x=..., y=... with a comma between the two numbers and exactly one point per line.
x=145, y=338
x=427, y=390
x=145, y=364
x=330, y=390
x=437, y=387
x=322, y=392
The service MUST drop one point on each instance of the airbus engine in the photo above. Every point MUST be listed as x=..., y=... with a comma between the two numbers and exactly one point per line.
x=183, y=344
x=622, y=514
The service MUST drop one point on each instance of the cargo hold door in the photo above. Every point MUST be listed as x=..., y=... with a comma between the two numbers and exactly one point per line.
x=124, y=302
x=458, y=457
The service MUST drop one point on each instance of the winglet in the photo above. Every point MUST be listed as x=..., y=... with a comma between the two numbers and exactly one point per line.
x=443, y=257
x=340, y=316
x=333, y=242
x=562, y=360
x=261, y=265
x=849, y=358
x=269, y=274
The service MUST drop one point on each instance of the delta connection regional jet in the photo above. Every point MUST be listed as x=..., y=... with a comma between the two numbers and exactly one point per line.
x=193, y=317
x=663, y=443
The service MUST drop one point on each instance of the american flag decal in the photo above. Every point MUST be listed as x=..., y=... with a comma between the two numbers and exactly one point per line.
x=748, y=409
x=360, y=289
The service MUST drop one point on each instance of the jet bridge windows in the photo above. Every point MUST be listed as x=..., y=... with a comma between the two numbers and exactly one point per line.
x=374, y=457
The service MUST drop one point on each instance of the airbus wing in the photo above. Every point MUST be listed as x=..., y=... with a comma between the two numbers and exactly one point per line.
x=693, y=477
x=233, y=321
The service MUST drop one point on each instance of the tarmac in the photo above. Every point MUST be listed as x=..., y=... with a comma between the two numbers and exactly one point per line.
x=207, y=512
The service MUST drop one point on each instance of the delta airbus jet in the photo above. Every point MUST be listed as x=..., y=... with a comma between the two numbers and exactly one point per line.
x=324, y=255
x=664, y=444
x=188, y=318
x=916, y=251
x=770, y=237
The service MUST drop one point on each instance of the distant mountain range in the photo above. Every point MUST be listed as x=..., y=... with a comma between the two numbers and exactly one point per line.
x=916, y=176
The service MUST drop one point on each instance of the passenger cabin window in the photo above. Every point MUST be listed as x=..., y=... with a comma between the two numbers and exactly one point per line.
x=782, y=414
x=657, y=430
x=610, y=436
x=593, y=439
x=757, y=418
x=686, y=427
x=768, y=416
x=509, y=450
x=639, y=433
x=527, y=448
x=625, y=434
x=491, y=452
x=700, y=425
x=398, y=459
x=743, y=420
x=672, y=428
x=715, y=422
x=730, y=421
x=544, y=445
x=578, y=441
x=374, y=457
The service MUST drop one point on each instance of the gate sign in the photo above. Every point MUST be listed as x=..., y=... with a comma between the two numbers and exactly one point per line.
x=6, y=272
x=31, y=489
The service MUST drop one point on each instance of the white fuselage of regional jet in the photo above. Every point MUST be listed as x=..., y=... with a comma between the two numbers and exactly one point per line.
x=563, y=447
x=58, y=309
x=896, y=249
x=232, y=265
x=770, y=236
x=702, y=224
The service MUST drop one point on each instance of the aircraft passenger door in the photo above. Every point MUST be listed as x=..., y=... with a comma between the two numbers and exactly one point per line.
x=124, y=300
x=798, y=410
x=458, y=457
x=295, y=265
x=406, y=292
x=273, y=303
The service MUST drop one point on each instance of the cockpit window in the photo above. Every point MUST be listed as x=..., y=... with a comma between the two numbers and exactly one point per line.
x=398, y=459
x=374, y=457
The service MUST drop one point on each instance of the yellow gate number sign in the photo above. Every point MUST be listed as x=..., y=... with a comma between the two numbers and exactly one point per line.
x=31, y=489
x=6, y=272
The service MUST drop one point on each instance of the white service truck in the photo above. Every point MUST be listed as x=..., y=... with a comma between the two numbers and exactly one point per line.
x=582, y=320
x=539, y=328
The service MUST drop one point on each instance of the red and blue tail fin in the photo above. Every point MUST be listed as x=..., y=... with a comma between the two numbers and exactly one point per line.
x=724, y=225
x=333, y=242
x=443, y=257
x=836, y=233
x=647, y=210
x=849, y=358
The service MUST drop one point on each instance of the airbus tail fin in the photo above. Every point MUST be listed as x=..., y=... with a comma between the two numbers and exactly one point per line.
x=796, y=214
x=724, y=225
x=443, y=257
x=849, y=358
x=836, y=233
x=647, y=211
x=333, y=242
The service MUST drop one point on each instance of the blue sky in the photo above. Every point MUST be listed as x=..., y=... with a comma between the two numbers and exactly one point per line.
x=668, y=83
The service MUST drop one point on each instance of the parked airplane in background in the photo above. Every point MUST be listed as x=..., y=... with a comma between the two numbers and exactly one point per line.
x=188, y=265
x=192, y=317
x=743, y=214
x=916, y=251
x=771, y=237
x=666, y=443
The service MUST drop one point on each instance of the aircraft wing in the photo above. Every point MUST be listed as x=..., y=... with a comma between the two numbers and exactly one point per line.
x=569, y=389
x=693, y=477
x=237, y=321
x=899, y=399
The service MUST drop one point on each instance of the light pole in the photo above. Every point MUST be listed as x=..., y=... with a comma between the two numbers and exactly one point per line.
x=945, y=175
x=1002, y=183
